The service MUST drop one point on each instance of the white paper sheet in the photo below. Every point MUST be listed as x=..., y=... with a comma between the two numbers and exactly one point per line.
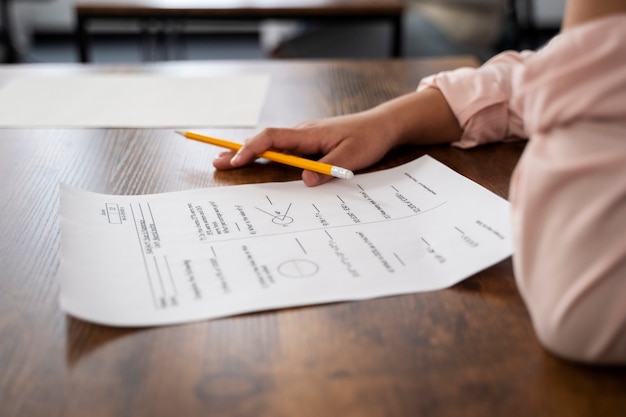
x=134, y=101
x=200, y=254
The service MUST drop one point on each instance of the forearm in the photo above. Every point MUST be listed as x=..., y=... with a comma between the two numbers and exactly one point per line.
x=418, y=118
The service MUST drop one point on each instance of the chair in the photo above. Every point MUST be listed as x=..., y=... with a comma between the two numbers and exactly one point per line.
x=10, y=52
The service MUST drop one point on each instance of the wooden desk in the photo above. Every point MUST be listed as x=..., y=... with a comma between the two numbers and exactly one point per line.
x=311, y=10
x=465, y=351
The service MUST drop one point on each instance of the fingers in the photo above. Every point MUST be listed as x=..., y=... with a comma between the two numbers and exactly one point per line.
x=272, y=138
x=283, y=139
x=223, y=160
x=312, y=179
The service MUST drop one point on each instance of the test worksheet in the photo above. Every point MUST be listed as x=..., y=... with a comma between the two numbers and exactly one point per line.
x=168, y=258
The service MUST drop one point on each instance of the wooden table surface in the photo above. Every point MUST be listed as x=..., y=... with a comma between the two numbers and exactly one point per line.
x=465, y=351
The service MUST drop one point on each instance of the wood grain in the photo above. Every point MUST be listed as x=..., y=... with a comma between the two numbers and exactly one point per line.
x=466, y=351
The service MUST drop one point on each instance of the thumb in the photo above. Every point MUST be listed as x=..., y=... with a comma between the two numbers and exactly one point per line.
x=312, y=179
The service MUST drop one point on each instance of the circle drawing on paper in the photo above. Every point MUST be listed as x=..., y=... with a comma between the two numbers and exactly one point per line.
x=282, y=220
x=298, y=268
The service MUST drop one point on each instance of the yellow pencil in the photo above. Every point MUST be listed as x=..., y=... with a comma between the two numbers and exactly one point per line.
x=281, y=158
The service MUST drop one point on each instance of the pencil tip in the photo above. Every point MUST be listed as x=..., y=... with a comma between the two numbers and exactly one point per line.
x=180, y=132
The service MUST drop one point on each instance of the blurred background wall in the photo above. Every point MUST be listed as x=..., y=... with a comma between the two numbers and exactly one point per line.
x=431, y=27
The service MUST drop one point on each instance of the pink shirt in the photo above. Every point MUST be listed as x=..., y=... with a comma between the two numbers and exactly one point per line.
x=568, y=191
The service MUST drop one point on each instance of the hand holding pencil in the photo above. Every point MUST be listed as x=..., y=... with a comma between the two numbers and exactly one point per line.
x=279, y=157
x=352, y=141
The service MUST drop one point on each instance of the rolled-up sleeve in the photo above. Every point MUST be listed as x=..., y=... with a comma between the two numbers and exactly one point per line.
x=480, y=98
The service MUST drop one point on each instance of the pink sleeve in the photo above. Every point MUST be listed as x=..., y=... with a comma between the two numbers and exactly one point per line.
x=568, y=193
x=480, y=99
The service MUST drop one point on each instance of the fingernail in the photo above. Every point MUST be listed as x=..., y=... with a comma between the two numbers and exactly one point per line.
x=234, y=159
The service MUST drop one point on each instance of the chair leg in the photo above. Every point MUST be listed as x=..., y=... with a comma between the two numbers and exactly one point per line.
x=11, y=54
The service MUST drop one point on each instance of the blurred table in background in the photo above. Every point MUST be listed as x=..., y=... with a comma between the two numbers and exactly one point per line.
x=168, y=14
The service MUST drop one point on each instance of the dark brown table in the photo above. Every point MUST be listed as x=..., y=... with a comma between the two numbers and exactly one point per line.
x=466, y=351
x=325, y=11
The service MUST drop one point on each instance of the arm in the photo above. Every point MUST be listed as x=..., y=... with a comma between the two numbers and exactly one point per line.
x=358, y=140
x=466, y=107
